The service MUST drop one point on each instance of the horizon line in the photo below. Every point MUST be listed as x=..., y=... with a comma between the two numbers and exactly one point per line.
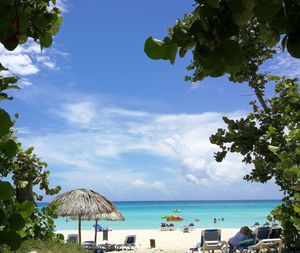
x=192, y=200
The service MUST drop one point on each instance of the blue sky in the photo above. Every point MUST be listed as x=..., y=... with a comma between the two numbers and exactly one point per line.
x=106, y=117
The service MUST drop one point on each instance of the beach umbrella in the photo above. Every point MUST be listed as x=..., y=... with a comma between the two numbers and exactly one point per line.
x=83, y=204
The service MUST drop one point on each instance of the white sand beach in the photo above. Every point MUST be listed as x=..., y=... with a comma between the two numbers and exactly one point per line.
x=166, y=241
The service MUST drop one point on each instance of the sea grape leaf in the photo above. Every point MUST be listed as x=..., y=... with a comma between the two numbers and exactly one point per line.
x=6, y=190
x=16, y=222
x=5, y=122
x=11, y=238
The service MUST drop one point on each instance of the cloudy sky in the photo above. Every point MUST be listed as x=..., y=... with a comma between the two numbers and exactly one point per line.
x=104, y=116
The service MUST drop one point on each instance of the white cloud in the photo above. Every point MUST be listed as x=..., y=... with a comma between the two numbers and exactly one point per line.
x=19, y=64
x=133, y=154
x=137, y=182
x=79, y=113
x=28, y=59
x=160, y=185
x=62, y=5
x=46, y=61
x=283, y=64
x=97, y=134
x=24, y=82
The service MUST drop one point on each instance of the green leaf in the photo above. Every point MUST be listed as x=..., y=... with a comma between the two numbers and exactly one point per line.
x=242, y=18
x=16, y=222
x=272, y=130
x=5, y=123
x=236, y=6
x=2, y=68
x=6, y=190
x=273, y=149
x=46, y=40
x=4, y=96
x=249, y=4
x=265, y=10
x=3, y=216
x=274, y=78
x=153, y=48
x=11, y=238
x=295, y=187
x=25, y=208
x=29, y=150
x=11, y=43
x=293, y=45
x=213, y=3
x=297, y=207
x=9, y=148
x=172, y=52
x=209, y=60
x=288, y=174
x=268, y=36
x=157, y=49
x=233, y=53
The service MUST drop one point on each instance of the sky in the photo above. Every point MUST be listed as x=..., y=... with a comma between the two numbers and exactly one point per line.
x=106, y=117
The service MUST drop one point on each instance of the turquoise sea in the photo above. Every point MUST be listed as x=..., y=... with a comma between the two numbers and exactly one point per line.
x=147, y=214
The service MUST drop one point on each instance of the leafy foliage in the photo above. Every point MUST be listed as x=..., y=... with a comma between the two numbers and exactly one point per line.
x=20, y=20
x=13, y=215
x=19, y=218
x=271, y=142
x=213, y=31
x=235, y=37
x=48, y=246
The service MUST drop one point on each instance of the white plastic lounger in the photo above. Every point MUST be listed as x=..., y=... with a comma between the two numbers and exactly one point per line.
x=266, y=244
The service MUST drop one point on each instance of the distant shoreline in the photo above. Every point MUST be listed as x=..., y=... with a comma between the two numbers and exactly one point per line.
x=226, y=200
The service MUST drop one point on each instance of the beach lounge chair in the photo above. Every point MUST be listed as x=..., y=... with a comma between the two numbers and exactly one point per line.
x=129, y=243
x=106, y=247
x=89, y=245
x=73, y=238
x=185, y=229
x=164, y=227
x=275, y=233
x=171, y=227
x=192, y=227
x=266, y=245
x=210, y=241
x=243, y=246
x=262, y=233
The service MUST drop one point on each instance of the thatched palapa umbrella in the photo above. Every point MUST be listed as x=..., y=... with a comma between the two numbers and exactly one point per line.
x=83, y=204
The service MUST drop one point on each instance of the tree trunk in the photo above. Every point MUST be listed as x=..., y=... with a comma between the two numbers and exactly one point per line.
x=96, y=230
x=79, y=228
x=23, y=194
x=261, y=100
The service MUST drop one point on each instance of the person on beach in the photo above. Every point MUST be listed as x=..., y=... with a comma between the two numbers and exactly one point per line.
x=244, y=238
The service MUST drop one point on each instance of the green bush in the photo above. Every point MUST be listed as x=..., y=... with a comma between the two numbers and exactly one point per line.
x=48, y=247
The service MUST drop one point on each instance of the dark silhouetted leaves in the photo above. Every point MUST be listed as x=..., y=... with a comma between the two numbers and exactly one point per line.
x=6, y=190
x=293, y=45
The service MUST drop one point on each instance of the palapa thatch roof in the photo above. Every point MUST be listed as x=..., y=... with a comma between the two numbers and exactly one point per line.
x=87, y=204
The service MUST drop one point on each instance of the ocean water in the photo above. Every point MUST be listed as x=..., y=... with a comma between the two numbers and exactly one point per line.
x=147, y=214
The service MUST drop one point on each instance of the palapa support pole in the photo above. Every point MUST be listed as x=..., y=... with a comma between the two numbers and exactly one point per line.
x=79, y=228
x=96, y=230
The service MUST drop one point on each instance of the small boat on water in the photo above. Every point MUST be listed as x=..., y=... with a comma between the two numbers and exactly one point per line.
x=176, y=211
x=176, y=218
x=172, y=218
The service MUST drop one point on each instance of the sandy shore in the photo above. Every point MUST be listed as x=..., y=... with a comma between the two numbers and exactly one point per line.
x=166, y=241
